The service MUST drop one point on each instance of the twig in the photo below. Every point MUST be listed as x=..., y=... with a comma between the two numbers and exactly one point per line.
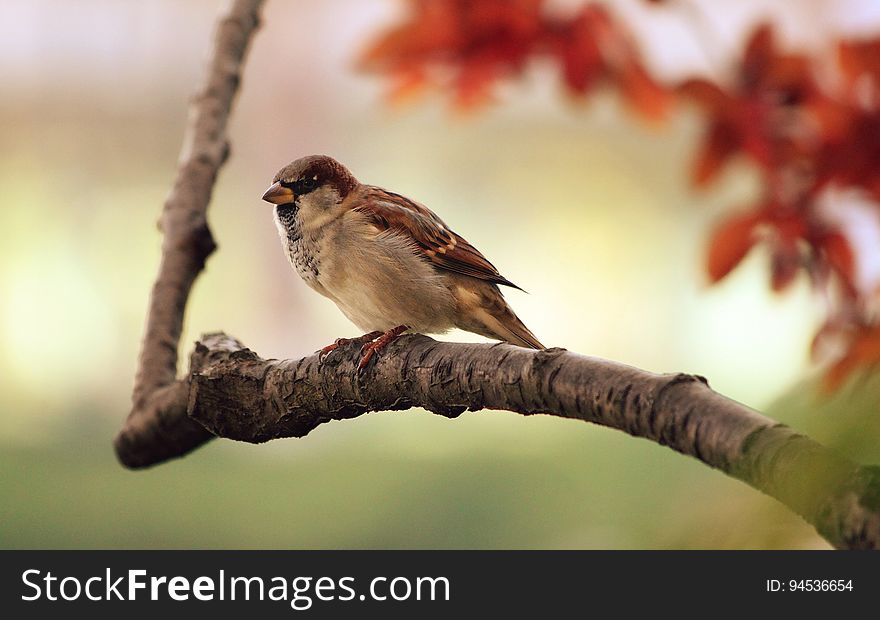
x=158, y=398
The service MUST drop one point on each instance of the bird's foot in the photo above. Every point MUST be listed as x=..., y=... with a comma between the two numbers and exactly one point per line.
x=377, y=344
x=339, y=342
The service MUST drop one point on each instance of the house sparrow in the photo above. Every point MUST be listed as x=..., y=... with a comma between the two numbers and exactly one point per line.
x=389, y=263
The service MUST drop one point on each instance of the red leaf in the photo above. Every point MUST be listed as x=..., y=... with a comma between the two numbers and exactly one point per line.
x=831, y=333
x=730, y=243
x=463, y=46
x=703, y=93
x=579, y=52
x=721, y=143
x=759, y=55
x=407, y=85
x=474, y=84
x=646, y=96
x=434, y=25
x=864, y=351
x=784, y=264
x=837, y=250
x=858, y=58
x=580, y=69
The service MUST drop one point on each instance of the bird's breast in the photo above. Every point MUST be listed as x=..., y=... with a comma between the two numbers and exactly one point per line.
x=377, y=280
x=303, y=249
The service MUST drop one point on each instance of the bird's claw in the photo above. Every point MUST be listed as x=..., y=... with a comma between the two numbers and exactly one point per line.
x=367, y=353
x=372, y=344
x=341, y=342
x=325, y=351
x=375, y=345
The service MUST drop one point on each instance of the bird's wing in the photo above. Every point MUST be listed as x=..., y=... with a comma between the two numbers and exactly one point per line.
x=432, y=238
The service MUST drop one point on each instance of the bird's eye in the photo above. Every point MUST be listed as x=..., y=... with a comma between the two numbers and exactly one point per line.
x=308, y=184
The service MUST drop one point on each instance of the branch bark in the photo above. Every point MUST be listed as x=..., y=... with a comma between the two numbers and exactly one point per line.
x=231, y=392
x=158, y=398
x=238, y=395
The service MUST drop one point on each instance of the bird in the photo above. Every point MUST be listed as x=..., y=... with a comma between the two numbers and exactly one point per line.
x=389, y=263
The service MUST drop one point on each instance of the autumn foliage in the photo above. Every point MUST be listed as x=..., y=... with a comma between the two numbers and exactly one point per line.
x=810, y=126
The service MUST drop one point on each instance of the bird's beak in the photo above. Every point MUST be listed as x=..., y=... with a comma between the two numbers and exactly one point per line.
x=277, y=194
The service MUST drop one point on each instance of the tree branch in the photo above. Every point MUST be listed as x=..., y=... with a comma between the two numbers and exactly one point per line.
x=158, y=399
x=238, y=395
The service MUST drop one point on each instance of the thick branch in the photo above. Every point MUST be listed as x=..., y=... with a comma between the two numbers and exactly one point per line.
x=237, y=395
x=157, y=398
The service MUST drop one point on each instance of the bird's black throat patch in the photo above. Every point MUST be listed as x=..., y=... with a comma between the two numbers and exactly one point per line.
x=286, y=212
x=286, y=215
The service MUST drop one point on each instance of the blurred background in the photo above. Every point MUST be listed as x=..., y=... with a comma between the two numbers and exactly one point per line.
x=587, y=209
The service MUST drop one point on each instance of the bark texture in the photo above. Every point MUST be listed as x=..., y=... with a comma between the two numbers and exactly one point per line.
x=158, y=399
x=236, y=394
x=231, y=392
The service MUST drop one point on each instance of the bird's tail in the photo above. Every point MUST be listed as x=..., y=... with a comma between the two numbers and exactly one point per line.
x=493, y=318
x=514, y=331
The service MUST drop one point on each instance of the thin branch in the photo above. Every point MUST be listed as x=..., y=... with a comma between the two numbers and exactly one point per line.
x=158, y=398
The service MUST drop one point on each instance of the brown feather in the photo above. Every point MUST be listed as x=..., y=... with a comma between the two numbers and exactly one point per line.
x=443, y=247
x=483, y=310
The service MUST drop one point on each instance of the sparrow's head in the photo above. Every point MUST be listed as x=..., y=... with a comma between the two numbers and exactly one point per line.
x=312, y=185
